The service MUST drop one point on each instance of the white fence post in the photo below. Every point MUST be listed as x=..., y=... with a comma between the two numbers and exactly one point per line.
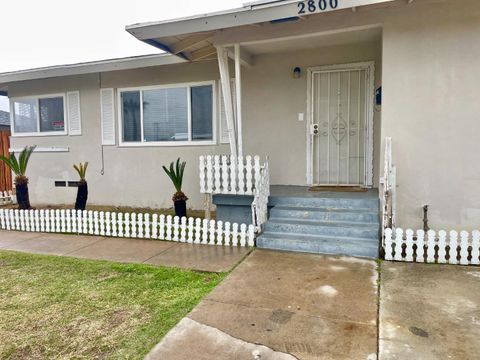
x=431, y=246
x=453, y=254
x=442, y=247
x=190, y=236
x=475, y=248
x=398, y=244
x=409, y=245
x=464, y=248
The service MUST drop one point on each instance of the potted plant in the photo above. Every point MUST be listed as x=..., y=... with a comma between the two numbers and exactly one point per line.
x=175, y=173
x=19, y=168
x=82, y=190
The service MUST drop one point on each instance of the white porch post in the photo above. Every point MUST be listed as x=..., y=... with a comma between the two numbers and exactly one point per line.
x=238, y=88
x=227, y=98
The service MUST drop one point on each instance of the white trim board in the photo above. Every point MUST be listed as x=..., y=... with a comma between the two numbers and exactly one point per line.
x=369, y=66
x=51, y=149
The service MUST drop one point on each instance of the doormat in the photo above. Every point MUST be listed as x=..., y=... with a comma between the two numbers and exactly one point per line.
x=338, y=188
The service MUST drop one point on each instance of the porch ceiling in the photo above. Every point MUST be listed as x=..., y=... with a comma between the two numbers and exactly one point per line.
x=194, y=38
x=347, y=37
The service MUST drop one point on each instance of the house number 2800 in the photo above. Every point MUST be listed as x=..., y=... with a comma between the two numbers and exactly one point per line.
x=312, y=6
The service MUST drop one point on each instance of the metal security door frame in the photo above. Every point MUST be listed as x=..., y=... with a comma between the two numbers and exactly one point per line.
x=369, y=67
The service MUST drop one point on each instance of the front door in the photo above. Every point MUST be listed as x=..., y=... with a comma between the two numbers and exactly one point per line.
x=341, y=111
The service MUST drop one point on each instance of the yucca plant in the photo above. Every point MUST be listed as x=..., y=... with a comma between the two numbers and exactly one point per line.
x=82, y=191
x=19, y=168
x=175, y=173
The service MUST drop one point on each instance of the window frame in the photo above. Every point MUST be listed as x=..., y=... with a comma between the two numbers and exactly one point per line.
x=188, y=142
x=37, y=99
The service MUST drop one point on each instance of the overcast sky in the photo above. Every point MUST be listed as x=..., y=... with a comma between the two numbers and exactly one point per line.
x=52, y=32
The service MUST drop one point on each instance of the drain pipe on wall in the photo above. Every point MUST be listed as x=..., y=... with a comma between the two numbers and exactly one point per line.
x=425, y=218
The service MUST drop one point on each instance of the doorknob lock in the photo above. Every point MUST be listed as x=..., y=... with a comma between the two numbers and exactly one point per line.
x=314, y=129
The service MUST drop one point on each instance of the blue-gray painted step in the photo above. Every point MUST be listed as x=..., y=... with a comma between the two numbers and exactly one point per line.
x=318, y=244
x=326, y=214
x=333, y=229
x=327, y=202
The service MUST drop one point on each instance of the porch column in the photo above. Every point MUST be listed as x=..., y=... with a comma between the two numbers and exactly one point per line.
x=227, y=98
x=238, y=88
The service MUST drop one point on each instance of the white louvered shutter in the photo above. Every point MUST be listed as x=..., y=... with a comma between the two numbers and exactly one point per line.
x=223, y=117
x=73, y=111
x=107, y=102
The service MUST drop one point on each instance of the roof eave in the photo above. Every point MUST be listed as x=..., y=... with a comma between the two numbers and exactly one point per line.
x=90, y=67
x=251, y=13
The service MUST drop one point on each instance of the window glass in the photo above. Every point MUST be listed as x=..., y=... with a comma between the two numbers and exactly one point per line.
x=25, y=116
x=131, y=116
x=51, y=114
x=165, y=114
x=202, y=112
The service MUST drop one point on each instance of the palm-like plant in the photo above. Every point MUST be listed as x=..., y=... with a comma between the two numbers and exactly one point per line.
x=19, y=168
x=175, y=173
x=82, y=190
x=81, y=170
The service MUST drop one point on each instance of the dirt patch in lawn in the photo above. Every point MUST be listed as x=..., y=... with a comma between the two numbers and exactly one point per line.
x=63, y=308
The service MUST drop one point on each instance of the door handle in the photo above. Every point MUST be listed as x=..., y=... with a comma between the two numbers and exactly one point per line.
x=314, y=129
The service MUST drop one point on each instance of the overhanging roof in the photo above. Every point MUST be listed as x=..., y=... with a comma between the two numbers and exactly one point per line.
x=192, y=37
x=90, y=67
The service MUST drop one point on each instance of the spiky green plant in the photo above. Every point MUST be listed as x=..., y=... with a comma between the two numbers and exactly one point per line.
x=19, y=167
x=175, y=173
x=81, y=170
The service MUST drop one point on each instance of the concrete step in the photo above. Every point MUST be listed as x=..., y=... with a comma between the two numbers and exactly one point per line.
x=319, y=244
x=326, y=202
x=319, y=228
x=326, y=214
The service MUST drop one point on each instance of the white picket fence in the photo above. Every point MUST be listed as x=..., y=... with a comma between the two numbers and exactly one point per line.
x=225, y=174
x=6, y=197
x=443, y=248
x=141, y=226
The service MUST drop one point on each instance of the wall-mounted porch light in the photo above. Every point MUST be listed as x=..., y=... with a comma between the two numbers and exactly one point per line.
x=297, y=73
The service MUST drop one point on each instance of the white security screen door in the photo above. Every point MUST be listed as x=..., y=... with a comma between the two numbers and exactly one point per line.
x=340, y=129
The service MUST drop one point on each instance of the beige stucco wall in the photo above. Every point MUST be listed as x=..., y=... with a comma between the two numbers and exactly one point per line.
x=431, y=110
x=133, y=175
x=274, y=98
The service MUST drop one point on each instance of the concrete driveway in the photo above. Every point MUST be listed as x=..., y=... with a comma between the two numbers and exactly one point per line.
x=297, y=306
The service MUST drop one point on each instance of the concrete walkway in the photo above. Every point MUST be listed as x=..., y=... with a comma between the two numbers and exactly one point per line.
x=283, y=306
x=188, y=256
x=429, y=312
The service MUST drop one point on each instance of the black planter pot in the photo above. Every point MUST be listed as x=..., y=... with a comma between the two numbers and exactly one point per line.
x=180, y=208
x=82, y=196
x=22, y=196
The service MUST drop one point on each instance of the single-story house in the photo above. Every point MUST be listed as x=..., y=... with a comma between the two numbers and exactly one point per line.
x=322, y=88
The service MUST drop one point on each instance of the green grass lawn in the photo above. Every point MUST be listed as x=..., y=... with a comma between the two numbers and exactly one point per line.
x=63, y=308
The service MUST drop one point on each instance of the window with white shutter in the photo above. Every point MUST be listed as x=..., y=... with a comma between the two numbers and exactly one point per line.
x=107, y=104
x=74, y=116
x=223, y=116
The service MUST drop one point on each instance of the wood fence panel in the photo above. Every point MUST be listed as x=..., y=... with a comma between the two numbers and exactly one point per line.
x=5, y=172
